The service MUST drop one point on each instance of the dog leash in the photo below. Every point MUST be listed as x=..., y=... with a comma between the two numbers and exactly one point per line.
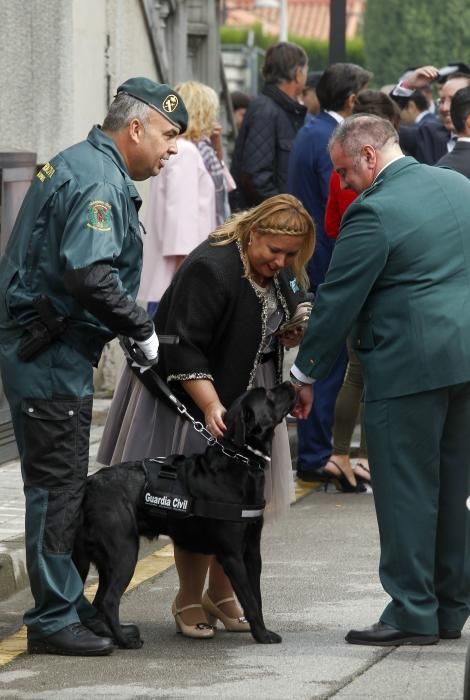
x=157, y=386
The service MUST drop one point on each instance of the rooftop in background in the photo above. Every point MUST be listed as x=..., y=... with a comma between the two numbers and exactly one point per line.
x=306, y=18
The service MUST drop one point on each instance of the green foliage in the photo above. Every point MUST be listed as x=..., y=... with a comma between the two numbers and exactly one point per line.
x=399, y=34
x=317, y=51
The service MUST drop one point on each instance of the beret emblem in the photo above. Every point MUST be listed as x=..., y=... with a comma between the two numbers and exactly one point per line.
x=170, y=103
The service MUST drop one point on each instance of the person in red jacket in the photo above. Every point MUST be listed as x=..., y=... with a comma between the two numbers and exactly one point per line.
x=348, y=402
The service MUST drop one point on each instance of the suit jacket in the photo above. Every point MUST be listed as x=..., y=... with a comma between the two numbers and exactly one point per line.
x=426, y=141
x=458, y=159
x=309, y=173
x=401, y=270
x=432, y=142
x=261, y=154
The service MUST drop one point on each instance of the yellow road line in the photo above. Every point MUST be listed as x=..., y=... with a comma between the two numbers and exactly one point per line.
x=152, y=565
x=302, y=488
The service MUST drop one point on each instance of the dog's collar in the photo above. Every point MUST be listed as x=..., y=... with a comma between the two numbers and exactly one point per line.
x=259, y=463
x=258, y=453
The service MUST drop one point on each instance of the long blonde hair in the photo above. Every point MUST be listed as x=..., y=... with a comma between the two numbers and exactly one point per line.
x=202, y=104
x=281, y=215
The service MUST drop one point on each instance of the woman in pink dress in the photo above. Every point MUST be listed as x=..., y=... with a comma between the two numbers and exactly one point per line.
x=188, y=199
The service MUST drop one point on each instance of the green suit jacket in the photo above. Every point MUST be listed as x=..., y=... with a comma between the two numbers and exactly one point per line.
x=400, y=274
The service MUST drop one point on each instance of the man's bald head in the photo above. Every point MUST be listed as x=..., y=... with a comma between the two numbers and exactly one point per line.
x=364, y=129
x=360, y=147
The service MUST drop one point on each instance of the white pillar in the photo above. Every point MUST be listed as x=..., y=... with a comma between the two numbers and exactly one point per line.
x=283, y=20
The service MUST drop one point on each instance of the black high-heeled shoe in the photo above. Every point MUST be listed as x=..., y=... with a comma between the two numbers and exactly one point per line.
x=359, y=478
x=342, y=482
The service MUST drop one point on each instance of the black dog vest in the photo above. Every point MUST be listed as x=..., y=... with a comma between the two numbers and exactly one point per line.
x=164, y=494
x=163, y=491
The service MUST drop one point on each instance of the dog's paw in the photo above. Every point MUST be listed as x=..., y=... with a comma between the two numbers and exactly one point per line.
x=132, y=643
x=268, y=637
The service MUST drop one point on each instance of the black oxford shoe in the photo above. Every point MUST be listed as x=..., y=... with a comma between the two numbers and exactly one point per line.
x=73, y=640
x=450, y=634
x=101, y=629
x=383, y=635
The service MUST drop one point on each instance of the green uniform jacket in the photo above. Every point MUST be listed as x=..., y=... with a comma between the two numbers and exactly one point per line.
x=81, y=211
x=401, y=271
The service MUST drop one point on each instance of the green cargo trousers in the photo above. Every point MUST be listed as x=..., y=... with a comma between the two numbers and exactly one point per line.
x=51, y=400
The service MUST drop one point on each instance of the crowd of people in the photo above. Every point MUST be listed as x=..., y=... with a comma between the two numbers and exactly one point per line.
x=353, y=197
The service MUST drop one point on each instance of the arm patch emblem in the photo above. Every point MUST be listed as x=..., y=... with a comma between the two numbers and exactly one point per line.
x=99, y=216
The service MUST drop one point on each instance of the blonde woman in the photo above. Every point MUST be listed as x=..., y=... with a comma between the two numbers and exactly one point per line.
x=189, y=197
x=204, y=130
x=226, y=303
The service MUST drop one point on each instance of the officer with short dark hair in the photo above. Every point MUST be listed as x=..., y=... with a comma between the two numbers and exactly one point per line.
x=68, y=282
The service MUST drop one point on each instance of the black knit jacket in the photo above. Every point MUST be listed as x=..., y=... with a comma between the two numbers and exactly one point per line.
x=220, y=319
x=261, y=155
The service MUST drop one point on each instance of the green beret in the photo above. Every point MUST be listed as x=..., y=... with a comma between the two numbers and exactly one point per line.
x=160, y=97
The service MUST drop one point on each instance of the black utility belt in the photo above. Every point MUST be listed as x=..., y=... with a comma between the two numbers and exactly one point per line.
x=165, y=495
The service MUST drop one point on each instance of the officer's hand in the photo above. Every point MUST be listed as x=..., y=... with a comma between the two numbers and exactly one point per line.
x=304, y=401
x=149, y=347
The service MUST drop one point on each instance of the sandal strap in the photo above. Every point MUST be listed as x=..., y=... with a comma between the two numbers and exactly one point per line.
x=225, y=600
x=362, y=466
x=187, y=607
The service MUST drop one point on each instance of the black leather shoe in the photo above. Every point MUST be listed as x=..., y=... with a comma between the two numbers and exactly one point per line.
x=101, y=629
x=383, y=635
x=450, y=634
x=73, y=640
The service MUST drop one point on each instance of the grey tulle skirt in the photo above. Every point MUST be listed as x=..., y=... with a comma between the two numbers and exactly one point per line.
x=140, y=425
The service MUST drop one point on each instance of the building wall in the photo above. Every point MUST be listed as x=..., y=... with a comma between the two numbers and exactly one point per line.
x=36, y=109
x=62, y=60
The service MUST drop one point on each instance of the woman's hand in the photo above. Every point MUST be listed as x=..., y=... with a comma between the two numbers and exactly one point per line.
x=213, y=416
x=204, y=395
x=216, y=140
x=292, y=338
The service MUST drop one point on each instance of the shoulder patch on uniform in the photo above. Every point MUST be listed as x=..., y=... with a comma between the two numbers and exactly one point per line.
x=99, y=216
x=46, y=170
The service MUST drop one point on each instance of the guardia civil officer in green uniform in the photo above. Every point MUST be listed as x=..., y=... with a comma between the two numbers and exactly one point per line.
x=68, y=282
x=401, y=270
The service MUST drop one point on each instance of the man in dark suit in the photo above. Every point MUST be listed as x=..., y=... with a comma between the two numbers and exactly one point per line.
x=261, y=154
x=308, y=179
x=401, y=271
x=459, y=158
x=430, y=141
x=416, y=110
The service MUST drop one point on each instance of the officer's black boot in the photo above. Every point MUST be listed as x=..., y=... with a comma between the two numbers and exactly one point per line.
x=73, y=640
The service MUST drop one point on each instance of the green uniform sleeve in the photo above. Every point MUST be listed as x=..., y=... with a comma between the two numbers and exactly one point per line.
x=359, y=257
x=95, y=223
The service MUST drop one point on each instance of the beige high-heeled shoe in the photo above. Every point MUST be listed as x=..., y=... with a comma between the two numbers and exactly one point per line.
x=214, y=613
x=201, y=630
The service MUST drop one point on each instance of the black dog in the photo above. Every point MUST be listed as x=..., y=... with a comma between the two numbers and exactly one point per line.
x=114, y=513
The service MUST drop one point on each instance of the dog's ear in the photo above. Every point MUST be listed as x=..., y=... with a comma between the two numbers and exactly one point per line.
x=236, y=428
x=244, y=425
x=241, y=418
